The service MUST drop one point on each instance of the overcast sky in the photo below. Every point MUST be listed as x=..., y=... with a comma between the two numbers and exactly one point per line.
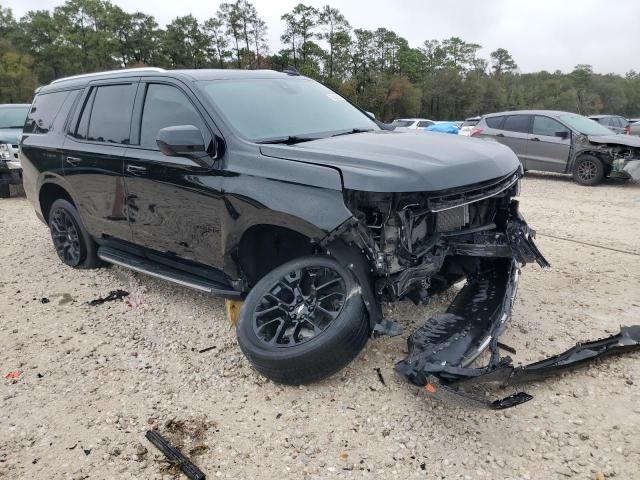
x=540, y=34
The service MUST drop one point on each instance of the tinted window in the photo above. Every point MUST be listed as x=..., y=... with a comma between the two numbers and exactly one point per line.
x=546, y=126
x=424, y=124
x=166, y=106
x=83, y=124
x=517, y=123
x=43, y=111
x=495, y=122
x=110, y=119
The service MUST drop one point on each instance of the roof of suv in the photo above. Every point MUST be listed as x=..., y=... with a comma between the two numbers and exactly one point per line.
x=529, y=112
x=192, y=75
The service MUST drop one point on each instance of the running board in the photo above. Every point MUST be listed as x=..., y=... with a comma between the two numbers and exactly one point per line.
x=155, y=269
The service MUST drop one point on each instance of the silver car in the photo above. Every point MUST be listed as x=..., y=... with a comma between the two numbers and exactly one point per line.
x=615, y=123
x=564, y=142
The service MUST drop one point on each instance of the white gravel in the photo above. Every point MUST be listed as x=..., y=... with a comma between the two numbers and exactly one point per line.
x=94, y=379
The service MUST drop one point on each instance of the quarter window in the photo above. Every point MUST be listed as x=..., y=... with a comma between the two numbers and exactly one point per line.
x=517, y=123
x=166, y=106
x=546, y=126
x=495, y=122
x=43, y=111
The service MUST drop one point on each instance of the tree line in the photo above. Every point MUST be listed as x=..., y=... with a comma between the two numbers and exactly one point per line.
x=377, y=69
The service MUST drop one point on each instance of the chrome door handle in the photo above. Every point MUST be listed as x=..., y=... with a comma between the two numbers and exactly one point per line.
x=73, y=161
x=136, y=170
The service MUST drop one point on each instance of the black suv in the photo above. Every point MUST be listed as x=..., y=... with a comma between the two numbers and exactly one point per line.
x=271, y=188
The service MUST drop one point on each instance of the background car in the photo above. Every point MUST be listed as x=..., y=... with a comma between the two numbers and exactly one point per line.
x=412, y=123
x=615, y=123
x=563, y=142
x=634, y=129
x=467, y=126
x=12, y=117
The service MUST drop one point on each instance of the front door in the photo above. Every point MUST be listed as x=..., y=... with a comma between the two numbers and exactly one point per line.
x=174, y=205
x=549, y=145
x=93, y=158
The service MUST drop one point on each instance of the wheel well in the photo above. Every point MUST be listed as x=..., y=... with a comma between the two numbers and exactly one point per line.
x=49, y=193
x=265, y=247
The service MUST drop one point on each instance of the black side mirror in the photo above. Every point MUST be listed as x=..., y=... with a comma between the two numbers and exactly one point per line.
x=562, y=134
x=184, y=141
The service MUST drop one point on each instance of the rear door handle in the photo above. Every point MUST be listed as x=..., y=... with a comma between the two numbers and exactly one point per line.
x=136, y=170
x=73, y=161
x=535, y=139
x=500, y=135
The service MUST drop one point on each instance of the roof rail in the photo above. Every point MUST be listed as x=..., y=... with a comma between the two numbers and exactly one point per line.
x=95, y=74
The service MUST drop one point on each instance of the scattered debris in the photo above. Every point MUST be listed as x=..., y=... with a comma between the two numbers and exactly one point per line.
x=12, y=375
x=175, y=456
x=86, y=451
x=113, y=295
x=380, y=377
x=44, y=300
x=204, y=350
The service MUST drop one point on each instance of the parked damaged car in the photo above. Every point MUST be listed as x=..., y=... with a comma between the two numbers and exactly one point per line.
x=270, y=188
x=564, y=142
x=11, y=122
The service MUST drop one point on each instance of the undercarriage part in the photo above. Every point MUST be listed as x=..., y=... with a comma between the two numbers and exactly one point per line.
x=175, y=456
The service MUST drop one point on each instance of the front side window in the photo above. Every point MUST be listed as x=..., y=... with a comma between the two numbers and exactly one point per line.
x=260, y=109
x=166, y=106
x=584, y=125
x=43, y=111
x=517, y=123
x=546, y=126
x=401, y=123
x=106, y=116
x=424, y=124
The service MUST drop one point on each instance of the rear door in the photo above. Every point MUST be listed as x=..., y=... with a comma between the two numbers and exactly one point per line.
x=512, y=131
x=93, y=157
x=174, y=205
x=547, y=150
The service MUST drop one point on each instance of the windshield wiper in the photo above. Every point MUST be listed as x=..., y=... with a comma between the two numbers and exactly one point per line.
x=352, y=131
x=288, y=140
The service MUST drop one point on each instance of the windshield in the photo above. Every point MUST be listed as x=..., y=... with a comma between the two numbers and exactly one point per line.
x=272, y=108
x=401, y=123
x=584, y=125
x=13, y=117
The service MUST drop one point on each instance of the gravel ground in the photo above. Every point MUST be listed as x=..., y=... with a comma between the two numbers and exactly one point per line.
x=94, y=379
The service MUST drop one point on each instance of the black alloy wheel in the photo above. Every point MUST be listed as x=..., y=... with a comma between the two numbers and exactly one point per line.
x=66, y=238
x=300, y=305
x=303, y=321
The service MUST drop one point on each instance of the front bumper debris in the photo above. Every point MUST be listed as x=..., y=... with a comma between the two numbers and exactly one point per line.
x=632, y=170
x=504, y=373
x=442, y=350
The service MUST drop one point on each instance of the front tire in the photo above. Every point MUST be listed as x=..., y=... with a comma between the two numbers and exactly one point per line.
x=588, y=170
x=303, y=321
x=72, y=242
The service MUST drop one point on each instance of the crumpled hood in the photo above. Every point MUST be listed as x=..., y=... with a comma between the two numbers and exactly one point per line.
x=11, y=136
x=627, y=140
x=389, y=161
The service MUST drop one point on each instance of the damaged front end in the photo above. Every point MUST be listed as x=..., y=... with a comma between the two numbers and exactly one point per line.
x=419, y=244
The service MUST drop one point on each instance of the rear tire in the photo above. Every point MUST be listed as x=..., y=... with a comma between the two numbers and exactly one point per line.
x=307, y=334
x=5, y=191
x=588, y=170
x=72, y=242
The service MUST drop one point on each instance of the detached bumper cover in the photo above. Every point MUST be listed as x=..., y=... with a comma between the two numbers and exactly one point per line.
x=441, y=351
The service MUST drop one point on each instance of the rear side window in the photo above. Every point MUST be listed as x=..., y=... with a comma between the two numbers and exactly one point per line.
x=424, y=123
x=166, y=106
x=401, y=123
x=106, y=116
x=474, y=122
x=517, y=123
x=495, y=122
x=43, y=112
